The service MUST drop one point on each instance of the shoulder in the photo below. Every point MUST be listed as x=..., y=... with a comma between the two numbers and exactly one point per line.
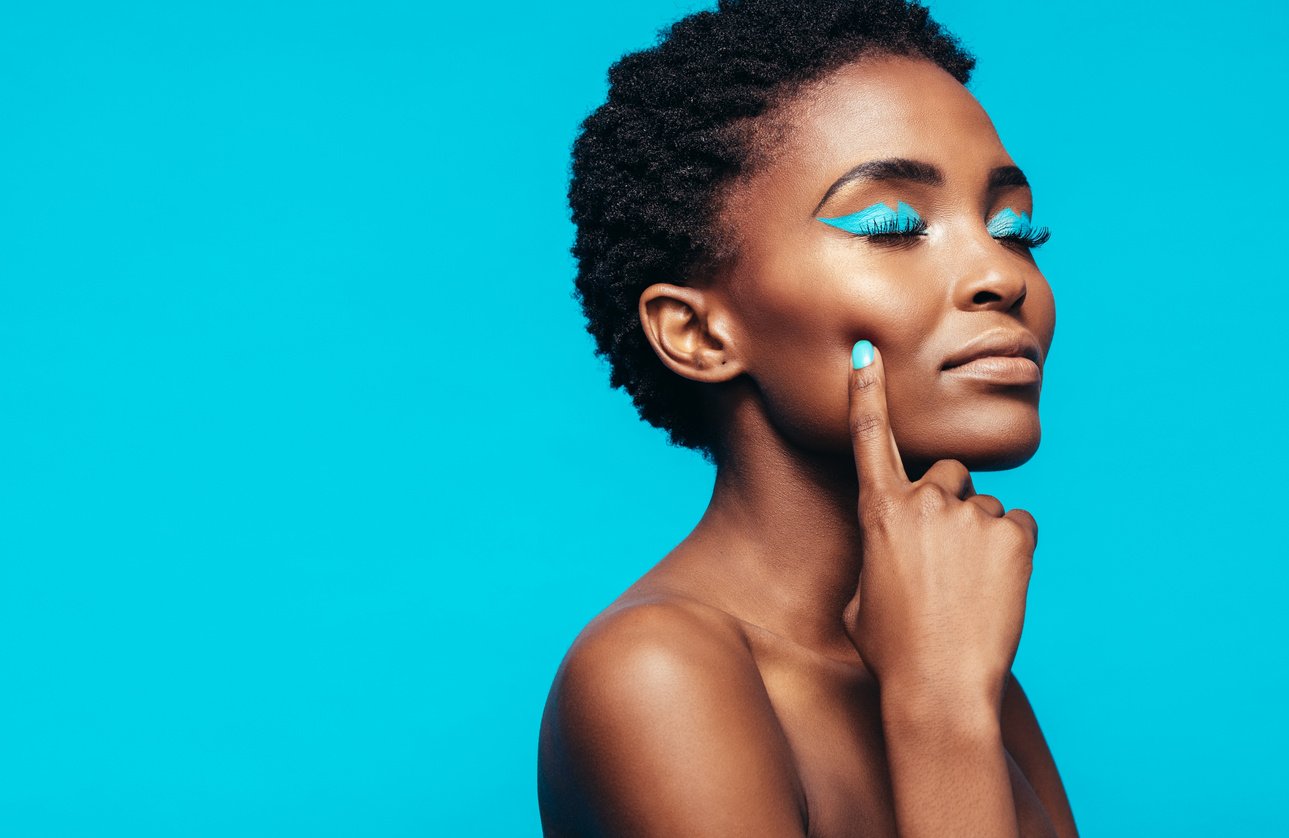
x=658, y=722
x=650, y=660
x=650, y=641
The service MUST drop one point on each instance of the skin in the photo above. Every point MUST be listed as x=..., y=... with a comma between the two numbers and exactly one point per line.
x=828, y=653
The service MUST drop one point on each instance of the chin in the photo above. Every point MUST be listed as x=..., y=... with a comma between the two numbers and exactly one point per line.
x=999, y=458
x=983, y=442
x=999, y=446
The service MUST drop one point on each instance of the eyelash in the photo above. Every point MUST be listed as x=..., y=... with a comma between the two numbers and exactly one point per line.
x=888, y=230
x=1030, y=239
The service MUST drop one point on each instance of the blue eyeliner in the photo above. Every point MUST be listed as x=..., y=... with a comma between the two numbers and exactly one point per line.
x=880, y=220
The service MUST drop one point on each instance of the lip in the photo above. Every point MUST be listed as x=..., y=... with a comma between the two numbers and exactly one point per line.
x=1000, y=369
x=1007, y=343
x=1004, y=356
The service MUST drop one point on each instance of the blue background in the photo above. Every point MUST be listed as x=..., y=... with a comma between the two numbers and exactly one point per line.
x=308, y=475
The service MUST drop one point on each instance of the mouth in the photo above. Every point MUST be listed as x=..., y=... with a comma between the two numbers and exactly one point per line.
x=1003, y=356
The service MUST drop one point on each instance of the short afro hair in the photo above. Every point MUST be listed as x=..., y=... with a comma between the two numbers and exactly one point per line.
x=649, y=164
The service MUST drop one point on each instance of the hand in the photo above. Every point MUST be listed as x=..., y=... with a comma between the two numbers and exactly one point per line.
x=941, y=596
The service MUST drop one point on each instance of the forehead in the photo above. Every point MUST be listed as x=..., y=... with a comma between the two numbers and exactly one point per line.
x=888, y=106
x=875, y=108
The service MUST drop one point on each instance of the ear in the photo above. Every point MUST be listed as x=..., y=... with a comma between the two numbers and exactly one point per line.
x=690, y=330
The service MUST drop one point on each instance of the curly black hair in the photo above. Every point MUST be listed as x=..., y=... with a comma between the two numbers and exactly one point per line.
x=679, y=124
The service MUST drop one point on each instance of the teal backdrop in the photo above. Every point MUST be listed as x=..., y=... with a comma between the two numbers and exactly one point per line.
x=308, y=475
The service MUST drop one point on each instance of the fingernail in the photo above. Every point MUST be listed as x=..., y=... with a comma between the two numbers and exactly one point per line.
x=862, y=355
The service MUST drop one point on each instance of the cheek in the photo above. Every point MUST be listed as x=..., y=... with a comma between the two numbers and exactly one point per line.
x=935, y=417
x=1041, y=318
x=801, y=335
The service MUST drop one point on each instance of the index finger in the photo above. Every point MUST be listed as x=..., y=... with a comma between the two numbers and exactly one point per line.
x=877, y=458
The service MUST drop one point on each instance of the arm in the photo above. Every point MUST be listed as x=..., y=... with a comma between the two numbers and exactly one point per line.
x=1029, y=749
x=659, y=725
x=937, y=618
x=949, y=773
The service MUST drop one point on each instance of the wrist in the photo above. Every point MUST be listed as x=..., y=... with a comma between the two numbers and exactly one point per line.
x=963, y=709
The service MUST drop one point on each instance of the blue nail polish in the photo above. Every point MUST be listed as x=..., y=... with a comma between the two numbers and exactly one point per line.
x=862, y=355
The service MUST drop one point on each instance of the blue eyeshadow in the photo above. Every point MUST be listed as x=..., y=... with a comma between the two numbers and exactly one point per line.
x=878, y=219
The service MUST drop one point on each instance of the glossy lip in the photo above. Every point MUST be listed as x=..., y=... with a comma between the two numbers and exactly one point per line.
x=1004, y=343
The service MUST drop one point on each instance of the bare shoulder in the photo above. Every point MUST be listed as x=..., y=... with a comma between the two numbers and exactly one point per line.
x=649, y=658
x=1028, y=747
x=676, y=626
x=658, y=723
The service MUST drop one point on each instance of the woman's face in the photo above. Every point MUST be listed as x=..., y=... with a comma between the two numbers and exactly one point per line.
x=922, y=281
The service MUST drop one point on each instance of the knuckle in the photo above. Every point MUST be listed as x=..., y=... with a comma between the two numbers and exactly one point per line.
x=1026, y=521
x=1018, y=535
x=866, y=425
x=865, y=380
x=877, y=510
x=953, y=468
x=930, y=498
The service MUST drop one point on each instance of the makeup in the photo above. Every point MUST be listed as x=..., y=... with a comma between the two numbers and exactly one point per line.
x=1007, y=224
x=861, y=355
x=880, y=220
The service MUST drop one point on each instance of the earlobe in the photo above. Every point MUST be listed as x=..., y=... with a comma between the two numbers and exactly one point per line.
x=690, y=332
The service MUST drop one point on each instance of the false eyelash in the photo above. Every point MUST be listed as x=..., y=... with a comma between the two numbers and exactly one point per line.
x=1009, y=226
x=881, y=223
x=890, y=227
x=1030, y=237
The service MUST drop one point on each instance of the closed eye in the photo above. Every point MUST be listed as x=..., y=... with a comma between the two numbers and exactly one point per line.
x=1009, y=226
x=881, y=223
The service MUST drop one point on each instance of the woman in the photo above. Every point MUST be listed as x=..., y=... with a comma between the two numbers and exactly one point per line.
x=805, y=253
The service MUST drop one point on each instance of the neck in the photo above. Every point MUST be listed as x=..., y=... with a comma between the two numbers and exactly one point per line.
x=779, y=544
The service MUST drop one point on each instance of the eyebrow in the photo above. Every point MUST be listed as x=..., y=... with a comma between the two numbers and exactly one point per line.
x=915, y=171
x=1006, y=176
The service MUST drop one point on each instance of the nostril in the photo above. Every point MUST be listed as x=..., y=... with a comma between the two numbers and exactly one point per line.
x=984, y=297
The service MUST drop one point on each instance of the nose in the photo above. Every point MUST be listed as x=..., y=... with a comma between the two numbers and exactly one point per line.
x=995, y=281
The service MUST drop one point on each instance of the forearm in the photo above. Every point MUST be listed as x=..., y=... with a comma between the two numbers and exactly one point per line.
x=948, y=766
